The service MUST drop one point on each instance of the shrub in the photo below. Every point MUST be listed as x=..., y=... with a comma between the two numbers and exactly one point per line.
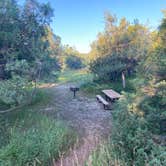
x=97, y=86
x=14, y=91
x=74, y=62
x=38, y=144
x=130, y=142
x=131, y=137
x=154, y=108
x=110, y=67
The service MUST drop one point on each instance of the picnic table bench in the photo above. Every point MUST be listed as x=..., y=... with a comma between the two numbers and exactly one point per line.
x=110, y=95
x=103, y=101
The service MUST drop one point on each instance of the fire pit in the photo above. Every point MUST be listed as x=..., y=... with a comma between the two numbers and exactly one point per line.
x=74, y=89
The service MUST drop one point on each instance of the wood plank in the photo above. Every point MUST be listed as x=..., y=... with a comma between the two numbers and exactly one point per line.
x=100, y=98
x=111, y=94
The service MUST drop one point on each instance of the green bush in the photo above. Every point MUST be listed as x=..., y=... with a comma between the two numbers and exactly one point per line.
x=131, y=137
x=130, y=142
x=74, y=62
x=97, y=86
x=35, y=140
x=154, y=108
x=14, y=91
x=110, y=67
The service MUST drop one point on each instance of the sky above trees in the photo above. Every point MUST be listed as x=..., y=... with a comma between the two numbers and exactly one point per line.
x=78, y=22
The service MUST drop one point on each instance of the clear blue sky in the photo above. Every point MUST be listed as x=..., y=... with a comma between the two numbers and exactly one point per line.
x=78, y=22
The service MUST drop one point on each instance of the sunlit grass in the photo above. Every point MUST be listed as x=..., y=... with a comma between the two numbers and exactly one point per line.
x=85, y=79
x=75, y=76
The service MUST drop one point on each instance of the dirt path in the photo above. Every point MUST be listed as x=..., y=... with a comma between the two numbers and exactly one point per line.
x=86, y=116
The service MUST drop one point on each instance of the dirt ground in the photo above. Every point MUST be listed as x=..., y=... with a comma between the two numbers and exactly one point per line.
x=85, y=115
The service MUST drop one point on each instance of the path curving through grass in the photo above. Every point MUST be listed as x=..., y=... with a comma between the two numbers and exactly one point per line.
x=85, y=115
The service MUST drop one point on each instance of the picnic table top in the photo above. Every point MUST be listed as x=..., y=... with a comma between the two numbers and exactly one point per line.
x=111, y=94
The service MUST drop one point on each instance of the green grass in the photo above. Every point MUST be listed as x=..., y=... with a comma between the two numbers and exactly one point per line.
x=75, y=76
x=85, y=80
x=96, y=87
x=41, y=97
x=104, y=155
x=32, y=138
x=28, y=137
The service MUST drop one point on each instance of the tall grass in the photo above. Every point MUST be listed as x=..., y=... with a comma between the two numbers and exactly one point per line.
x=95, y=87
x=104, y=155
x=34, y=139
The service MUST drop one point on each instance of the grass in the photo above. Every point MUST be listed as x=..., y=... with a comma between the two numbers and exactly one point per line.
x=76, y=76
x=32, y=138
x=104, y=155
x=85, y=80
x=28, y=137
x=95, y=87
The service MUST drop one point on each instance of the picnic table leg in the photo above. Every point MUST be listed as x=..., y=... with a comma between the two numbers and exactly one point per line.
x=105, y=107
x=106, y=97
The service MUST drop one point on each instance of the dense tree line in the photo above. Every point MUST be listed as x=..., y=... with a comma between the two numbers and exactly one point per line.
x=71, y=58
x=28, y=48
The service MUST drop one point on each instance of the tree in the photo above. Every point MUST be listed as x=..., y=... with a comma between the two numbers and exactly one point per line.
x=119, y=48
x=25, y=52
x=9, y=21
x=154, y=103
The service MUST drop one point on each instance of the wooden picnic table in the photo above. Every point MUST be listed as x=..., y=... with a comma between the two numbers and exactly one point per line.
x=111, y=94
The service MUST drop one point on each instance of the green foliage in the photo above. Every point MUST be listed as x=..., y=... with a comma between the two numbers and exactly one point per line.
x=119, y=48
x=137, y=116
x=74, y=62
x=154, y=108
x=26, y=53
x=34, y=140
x=14, y=91
x=105, y=155
x=79, y=77
x=49, y=67
x=95, y=87
x=110, y=67
x=131, y=137
x=130, y=141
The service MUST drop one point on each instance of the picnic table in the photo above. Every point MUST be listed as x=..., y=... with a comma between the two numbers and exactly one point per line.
x=111, y=94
